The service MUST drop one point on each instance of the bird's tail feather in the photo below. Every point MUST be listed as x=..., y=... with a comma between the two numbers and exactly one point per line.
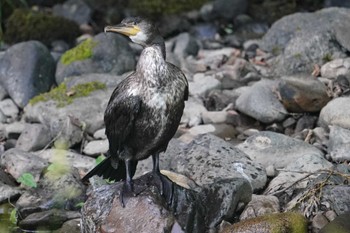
x=107, y=171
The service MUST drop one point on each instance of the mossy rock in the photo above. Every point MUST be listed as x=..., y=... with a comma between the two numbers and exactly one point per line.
x=25, y=25
x=81, y=52
x=291, y=222
x=164, y=7
x=64, y=96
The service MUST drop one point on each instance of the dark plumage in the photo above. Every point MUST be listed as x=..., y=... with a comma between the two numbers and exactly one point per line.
x=144, y=110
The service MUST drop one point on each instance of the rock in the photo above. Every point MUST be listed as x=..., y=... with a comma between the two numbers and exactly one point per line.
x=8, y=192
x=227, y=115
x=14, y=130
x=17, y=162
x=3, y=92
x=302, y=94
x=194, y=212
x=33, y=137
x=301, y=42
x=71, y=226
x=100, y=134
x=228, y=10
x=95, y=148
x=59, y=188
x=193, y=110
x=339, y=224
x=9, y=109
x=339, y=144
x=185, y=45
x=48, y=220
x=319, y=221
x=305, y=122
x=76, y=160
x=336, y=112
x=336, y=3
x=296, y=170
x=208, y=158
x=67, y=123
x=108, y=53
x=202, y=84
x=143, y=213
x=336, y=67
x=30, y=76
x=76, y=10
x=218, y=100
x=224, y=131
x=338, y=196
x=265, y=147
x=261, y=103
x=281, y=222
x=260, y=205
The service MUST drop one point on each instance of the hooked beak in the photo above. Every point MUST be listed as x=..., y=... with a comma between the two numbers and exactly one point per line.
x=127, y=30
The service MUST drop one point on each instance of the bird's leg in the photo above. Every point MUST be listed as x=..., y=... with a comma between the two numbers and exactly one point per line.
x=165, y=186
x=128, y=186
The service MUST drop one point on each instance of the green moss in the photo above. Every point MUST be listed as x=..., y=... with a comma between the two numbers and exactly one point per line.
x=276, y=50
x=64, y=96
x=25, y=25
x=327, y=57
x=163, y=7
x=81, y=52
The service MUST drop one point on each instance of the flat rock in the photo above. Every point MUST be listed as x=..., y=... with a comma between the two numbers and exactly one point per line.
x=202, y=84
x=336, y=112
x=261, y=103
x=208, y=158
x=265, y=147
x=26, y=78
x=338, y=196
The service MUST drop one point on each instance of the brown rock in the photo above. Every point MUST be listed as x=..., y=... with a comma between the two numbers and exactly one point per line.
x=302, y=94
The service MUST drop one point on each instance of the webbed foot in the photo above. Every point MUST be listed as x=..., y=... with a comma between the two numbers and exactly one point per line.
x=164, y=185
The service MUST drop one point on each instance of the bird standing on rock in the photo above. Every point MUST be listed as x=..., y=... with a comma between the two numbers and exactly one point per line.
x=144, y=110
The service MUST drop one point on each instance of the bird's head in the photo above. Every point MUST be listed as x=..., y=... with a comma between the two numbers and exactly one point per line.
x=139, y=30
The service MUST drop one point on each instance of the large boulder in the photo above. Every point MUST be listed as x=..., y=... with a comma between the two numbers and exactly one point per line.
x=26, y=78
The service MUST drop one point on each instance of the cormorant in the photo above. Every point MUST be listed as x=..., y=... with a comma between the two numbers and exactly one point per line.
x=144, y=110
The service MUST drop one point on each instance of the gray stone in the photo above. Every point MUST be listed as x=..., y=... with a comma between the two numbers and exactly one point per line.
x=336, y=112
x=48, y=219
x=33, y=137
x=298, y=168
x=100, y=134
x=260, y=102
x=336, y=67
x=9, y=108
x=269, y=148
x=224, y=131
x=71, y=226
x=339, y=224
x=185, y=45
x=338, y=196
x=97, y=147
x=339, y=144
x=17, y=162
x=208, y=158
x=260, y=205
x=202, y=84
x=76, y=10
x=3, y=92
x=111, y=54
x=14, y=130
x=68, y=123
x=301, y=42
x=26, y=78
x=8, y=192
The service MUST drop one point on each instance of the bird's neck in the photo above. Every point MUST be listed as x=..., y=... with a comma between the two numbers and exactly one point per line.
x=159, y=42
x=152, y=65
